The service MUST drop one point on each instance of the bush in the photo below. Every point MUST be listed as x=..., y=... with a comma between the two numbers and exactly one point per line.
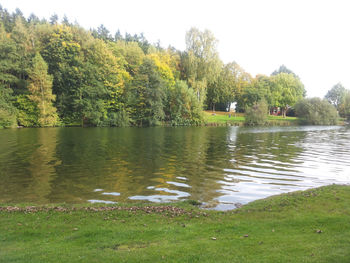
x=256, y=114
x=345, y=106
x=315, y=111
x=118, y=119
x=183, y=106
x=7, y=110
x=27, y=111
x=7, y=119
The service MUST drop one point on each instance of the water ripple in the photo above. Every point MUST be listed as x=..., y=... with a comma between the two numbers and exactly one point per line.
x=225, y=165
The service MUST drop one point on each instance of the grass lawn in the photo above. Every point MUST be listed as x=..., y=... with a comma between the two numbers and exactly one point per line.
x=310, y=226
x=223, y=118
x=280, y=118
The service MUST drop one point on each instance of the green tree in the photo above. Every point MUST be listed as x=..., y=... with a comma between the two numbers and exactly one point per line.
x=102, y=33
x=23, y=40
x=315, y=111
x=6, y=19
x=148, y=95
x=256, y=114
x=225, y=93
x=9, y=66
x=259, y=89
x=286, y=91
x=241, y=80
x=129, y=54
x=183, y=106
x=202, y=63
x=40, y=88
x=283, y=69
x=345, y=105
x=103, y=84
x=64, y=56
x=7, y=110
x=163, y=63
x=335, y=95
x=10, y=60
x=54, y=19
x=27, y=111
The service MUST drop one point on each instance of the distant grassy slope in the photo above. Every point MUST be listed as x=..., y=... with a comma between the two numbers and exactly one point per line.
x=223, y=118
x=310, y=226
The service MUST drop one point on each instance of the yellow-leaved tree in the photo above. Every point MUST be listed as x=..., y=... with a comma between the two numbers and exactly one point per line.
x=40, y=87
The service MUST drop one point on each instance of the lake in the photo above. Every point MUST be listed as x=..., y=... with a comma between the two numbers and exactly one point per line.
x=220, y=166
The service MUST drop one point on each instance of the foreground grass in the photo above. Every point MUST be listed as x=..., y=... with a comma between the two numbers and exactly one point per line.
x=310, y=226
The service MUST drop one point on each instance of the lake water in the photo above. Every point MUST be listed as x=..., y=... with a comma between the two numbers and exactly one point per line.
x=220, y=166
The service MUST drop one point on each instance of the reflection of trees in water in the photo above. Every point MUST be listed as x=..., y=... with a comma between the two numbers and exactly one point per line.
x=115, y=160
x=129, y=160
x=189, y=153
x=28, y=174
x=207, y=169
x=42, y=165
x=276, y=146
x=68, y=164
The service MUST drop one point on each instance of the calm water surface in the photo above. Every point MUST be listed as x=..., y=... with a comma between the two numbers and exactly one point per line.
x=219, y=166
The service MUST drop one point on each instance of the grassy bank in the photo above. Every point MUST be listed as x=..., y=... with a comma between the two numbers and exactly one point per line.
x=220, y=118
x=310, y=226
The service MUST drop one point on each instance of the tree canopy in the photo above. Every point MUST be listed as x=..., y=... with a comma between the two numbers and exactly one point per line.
x=336, y=95
x=54, y=72
x=316, y=111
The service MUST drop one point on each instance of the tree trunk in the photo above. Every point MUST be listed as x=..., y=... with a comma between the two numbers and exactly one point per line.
x=284, y=111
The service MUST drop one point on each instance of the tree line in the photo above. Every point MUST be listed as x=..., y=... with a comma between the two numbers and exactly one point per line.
x=57, y=73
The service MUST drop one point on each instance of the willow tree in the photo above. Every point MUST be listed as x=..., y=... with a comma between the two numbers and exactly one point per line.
x=40, y=88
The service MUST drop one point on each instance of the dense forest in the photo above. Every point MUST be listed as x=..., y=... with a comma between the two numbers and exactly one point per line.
x=56, y=73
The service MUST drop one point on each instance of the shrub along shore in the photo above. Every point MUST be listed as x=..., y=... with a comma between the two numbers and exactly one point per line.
x=304, y=226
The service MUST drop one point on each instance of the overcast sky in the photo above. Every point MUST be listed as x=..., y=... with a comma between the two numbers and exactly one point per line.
x=312, y=38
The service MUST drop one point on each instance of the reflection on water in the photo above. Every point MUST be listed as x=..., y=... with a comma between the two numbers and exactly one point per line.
x=225, y=165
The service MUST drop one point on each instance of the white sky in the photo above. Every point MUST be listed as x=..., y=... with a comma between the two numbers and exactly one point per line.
x=310, y=37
